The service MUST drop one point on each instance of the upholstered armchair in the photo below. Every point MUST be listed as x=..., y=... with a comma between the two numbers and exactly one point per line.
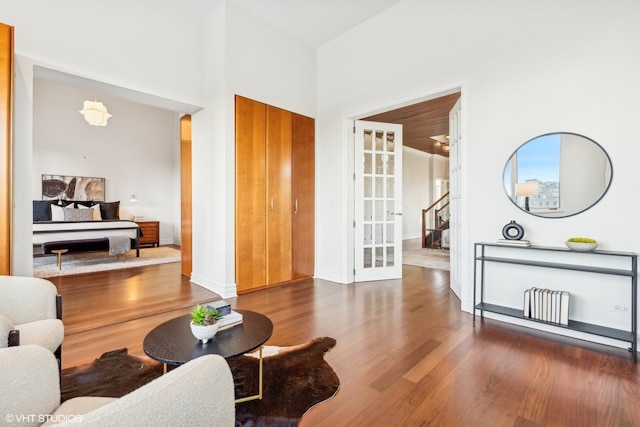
x=30, y=313
x=198, y=393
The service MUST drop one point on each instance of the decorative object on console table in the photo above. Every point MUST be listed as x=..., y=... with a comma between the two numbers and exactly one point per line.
x=546, y=305
x=513, y=234
x=581, y=244
x=150, y=233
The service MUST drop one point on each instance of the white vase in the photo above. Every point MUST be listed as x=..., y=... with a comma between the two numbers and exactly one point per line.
x=205, y=332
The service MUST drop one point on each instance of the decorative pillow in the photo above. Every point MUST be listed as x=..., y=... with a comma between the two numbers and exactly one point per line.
x=57, y=213
x=95, y=209
x=110, y=210
x=85, y=203
x=78, y=214
x=42, y=210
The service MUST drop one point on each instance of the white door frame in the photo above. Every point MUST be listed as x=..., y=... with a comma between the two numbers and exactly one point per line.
x=466, y=272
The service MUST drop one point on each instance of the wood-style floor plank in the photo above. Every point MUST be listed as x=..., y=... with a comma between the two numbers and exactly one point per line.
x=94, y=300
x=406, y=355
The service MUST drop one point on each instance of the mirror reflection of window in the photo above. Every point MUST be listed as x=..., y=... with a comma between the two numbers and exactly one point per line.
x=557, y=175
x=540, y=162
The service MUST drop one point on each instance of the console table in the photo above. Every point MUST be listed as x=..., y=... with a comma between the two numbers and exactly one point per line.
x=481, y=259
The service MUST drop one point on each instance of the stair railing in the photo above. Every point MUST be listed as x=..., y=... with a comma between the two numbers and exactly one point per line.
x=431, y=237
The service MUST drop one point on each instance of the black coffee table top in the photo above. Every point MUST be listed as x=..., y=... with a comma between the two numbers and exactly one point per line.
x=173, y=343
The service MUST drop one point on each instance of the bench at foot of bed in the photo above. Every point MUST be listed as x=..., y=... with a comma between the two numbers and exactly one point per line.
x=61, y=247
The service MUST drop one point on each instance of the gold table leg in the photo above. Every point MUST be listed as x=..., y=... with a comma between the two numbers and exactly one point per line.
x=59, y=253
x=259, y=395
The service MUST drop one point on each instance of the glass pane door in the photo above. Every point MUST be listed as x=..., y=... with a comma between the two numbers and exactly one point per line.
x=378, y=201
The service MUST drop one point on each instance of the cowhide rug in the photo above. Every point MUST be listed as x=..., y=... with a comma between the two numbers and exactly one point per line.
x=294, y=380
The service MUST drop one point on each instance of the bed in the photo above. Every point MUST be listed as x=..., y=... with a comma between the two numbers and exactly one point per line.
x=77, y=223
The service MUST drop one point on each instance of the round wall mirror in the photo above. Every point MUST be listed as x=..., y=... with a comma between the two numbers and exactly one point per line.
x=557, y=175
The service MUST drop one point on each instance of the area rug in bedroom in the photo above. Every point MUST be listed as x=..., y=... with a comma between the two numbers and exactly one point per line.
x=295, y=380
x=45, y=265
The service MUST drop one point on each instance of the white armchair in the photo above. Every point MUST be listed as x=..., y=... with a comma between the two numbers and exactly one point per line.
x=197, y=393
x=30, y=313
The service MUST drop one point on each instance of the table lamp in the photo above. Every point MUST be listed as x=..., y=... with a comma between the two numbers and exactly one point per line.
x=526, y=190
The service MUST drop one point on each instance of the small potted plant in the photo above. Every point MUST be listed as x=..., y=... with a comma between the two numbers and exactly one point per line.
x=204, y=322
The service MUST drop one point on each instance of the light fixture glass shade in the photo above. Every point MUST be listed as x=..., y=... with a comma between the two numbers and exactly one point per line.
x=95, y=113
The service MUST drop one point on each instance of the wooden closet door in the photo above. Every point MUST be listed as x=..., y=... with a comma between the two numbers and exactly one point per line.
x=279, y=206
x=186, y=211
x=6, y=110
x=250, y=232
x=303, y=185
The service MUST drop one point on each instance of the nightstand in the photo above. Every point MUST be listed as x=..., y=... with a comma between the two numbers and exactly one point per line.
x=150, y=233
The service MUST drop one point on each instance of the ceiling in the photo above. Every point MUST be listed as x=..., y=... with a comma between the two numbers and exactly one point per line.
x=421, y=121
x=314, y=22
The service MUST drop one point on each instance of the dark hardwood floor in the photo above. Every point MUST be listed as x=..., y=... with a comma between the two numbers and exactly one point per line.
x=405, y=354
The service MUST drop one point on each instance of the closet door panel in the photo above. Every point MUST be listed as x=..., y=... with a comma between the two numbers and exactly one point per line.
x=303, y=184
x=278, y=201
x=250, y=232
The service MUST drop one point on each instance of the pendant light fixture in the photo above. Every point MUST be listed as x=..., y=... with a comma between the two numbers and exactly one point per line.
x=95, y=113
x=441, y=141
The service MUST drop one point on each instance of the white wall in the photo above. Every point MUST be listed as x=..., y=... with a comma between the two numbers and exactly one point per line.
x=419, y=173
x=144, y=45
x=248, y=57
x=135, y=152
x=525, y=70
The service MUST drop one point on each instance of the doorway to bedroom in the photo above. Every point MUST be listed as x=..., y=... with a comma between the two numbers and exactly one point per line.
x=137, y=154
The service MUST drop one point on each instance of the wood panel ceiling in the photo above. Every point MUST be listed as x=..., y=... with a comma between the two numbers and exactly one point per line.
x=421, y=121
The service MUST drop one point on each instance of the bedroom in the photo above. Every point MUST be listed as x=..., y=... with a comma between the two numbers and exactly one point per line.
x=137, y=152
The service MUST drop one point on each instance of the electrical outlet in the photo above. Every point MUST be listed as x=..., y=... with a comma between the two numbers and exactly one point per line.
x=621, y=308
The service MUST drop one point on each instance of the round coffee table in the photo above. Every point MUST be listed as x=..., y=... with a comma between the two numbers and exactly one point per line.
x=172, y=342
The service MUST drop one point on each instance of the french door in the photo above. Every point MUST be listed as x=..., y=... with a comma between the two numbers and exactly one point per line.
x=378, y=201
x=455, y=196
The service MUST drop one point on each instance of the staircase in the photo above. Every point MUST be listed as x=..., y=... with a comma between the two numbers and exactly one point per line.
x=435, y=219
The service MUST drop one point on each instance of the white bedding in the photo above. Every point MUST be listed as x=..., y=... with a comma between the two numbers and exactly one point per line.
x=55, y=231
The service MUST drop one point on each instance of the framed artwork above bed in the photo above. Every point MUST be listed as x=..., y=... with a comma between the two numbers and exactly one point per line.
x=64, y=187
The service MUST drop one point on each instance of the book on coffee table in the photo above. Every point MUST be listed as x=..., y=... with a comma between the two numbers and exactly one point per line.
x=222, y=306
x=230, y=320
